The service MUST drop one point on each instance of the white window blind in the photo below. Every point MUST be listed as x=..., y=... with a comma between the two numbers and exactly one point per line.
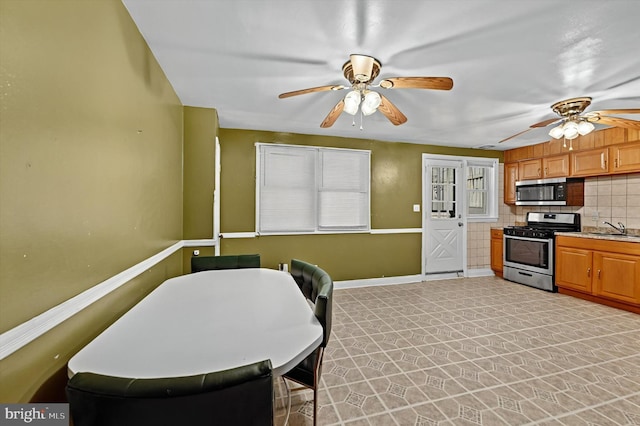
x=311, y=189
x=482, y=189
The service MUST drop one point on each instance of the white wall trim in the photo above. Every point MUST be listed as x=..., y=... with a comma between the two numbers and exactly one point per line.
x=369, y=282
x=230, y=235
x=206, y=242
x=480, y=272
x=397, y=231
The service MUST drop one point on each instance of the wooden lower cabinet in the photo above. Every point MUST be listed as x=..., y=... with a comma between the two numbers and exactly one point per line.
x=573, y=268
x=496, y=251
x=617, y=276
x=602, y=271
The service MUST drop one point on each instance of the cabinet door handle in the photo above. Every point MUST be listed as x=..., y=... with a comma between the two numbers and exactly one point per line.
x=589, y=272
x=615, y=163
x=598, y=273
x=538, y=171
x=546, y=171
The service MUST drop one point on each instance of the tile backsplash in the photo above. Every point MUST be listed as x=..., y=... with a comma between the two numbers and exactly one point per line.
x=613, y=199
x=607, y=198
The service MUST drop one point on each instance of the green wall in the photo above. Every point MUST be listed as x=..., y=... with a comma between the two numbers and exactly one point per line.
x=396, y=173
x=200, y=131
x=94, y=178
x=90, y=175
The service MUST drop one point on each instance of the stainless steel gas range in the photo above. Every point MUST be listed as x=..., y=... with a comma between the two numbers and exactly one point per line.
x=528, y=254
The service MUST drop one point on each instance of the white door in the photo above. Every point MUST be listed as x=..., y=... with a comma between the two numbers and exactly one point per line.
x=444, y=216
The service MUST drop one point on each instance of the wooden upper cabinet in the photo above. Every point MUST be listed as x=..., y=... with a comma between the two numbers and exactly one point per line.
x=614, y=135
x=603, y=152
x=537, y=150
x=517, y=154
x=548, y=167
x=556, y=166
x=587, y=142
x=510, y=178
x=590, y=163
x=530, y=169
x=553, y=147
x=625, y=158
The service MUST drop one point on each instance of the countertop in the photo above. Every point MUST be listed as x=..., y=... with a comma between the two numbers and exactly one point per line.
x=629, y=238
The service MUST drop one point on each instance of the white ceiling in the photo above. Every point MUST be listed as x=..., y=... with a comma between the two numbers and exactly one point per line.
x=509, y=60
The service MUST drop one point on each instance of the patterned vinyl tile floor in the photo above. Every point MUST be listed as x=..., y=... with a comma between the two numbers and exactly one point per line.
x=473, y=351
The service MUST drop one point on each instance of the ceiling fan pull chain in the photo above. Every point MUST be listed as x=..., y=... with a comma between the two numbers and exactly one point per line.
x=361, y=118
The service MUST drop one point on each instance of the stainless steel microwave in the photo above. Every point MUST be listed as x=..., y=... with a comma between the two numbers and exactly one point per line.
x=548, y=192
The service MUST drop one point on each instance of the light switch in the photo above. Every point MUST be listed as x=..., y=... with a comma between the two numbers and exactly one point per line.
x=416, y=208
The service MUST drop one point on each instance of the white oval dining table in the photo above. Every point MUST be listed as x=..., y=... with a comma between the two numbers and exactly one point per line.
x=205, y=322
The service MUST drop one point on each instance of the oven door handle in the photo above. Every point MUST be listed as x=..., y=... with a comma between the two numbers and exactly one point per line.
x=513, y=237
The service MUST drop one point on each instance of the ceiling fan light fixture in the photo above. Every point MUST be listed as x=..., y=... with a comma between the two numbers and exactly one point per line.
x=351, y=102
x=557, y=132
x=371, y=103
x=571, y=130
x=585, y=127
x=362, y=67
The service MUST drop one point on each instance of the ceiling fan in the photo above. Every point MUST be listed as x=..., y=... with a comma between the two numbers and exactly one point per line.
x=574, y=123
x=360, y=71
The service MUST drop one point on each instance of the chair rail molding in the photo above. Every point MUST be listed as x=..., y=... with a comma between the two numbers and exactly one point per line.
x=28, y=331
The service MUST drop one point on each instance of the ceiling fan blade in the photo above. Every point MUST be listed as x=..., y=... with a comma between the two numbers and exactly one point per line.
x=517, y=134
x=545, y=123
x=391, y=111
x=333, y=114
x=310, y=90
x=616, y=111
x=614, y=121
x=534, y=126
x=437, y=83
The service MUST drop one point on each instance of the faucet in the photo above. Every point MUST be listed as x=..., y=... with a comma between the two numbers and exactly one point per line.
x=620, y=228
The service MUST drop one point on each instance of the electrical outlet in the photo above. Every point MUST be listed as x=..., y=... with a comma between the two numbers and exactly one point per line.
x=196, y=252
x=595, y=216
x=416, y=208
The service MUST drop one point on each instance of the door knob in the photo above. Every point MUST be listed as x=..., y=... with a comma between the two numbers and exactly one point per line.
x=460, y=224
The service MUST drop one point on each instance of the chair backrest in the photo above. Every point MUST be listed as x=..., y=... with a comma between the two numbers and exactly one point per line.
x=208, y=263
x=242, y=395
x=317, y=286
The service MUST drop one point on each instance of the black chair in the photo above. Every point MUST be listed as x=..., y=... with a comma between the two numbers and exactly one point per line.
x=317, y=286
x=240, y=396
x=208, y=263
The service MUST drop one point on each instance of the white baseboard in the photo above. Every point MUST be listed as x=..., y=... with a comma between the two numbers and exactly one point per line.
x=368, y=282
x=480, y=272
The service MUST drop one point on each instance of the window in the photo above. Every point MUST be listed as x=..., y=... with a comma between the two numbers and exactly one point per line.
x=482, y=189
x=302, y=189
